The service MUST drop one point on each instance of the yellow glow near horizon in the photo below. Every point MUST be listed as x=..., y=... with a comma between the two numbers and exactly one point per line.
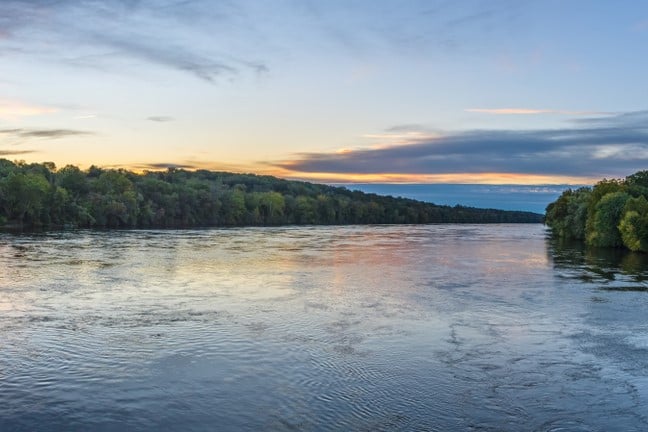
x=13, y=109
x=500, y=178
x=454, y=178
x=394, y=178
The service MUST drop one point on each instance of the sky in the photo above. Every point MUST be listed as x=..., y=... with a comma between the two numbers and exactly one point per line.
x=494, y=91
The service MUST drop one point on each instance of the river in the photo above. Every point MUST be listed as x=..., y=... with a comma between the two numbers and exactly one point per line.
x=403, y=328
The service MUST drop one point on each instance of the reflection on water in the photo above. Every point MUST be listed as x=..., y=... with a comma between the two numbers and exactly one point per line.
x=439, y=327
x=609, y=267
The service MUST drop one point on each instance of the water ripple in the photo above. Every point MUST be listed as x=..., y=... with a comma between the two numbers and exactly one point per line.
x=394, y=328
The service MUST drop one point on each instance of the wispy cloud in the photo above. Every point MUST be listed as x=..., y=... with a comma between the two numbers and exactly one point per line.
x=533, y=111
x=395, y=135
x=43, y=133
x=204, y=66
x=162, y=166
x=160, y=119
x=614, y=146
x=15, y=152
x=409, y=127
x=631, y=120
x=216, y=40
x=102, y=33
x=190, y=165
x=414, y=27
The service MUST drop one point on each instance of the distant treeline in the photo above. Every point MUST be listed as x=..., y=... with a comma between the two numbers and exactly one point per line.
x=614, y=213
x=39, y=195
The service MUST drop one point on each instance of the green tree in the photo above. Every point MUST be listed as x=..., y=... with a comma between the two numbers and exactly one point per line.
x=639, y=178
x=604, y=231
x=39, y=195
x=305, y=213
x=73, y=180
x=23, y=196
x=271, y=207
x=601, y=189
x=634, y=224
x=113, y=200
x=567, y=216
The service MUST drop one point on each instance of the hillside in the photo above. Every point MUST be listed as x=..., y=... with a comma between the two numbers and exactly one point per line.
x=39, y=195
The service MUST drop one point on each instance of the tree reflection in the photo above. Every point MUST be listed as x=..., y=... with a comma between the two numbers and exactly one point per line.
x=606, y=266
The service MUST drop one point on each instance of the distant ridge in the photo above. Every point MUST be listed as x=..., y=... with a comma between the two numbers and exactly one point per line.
x=40, y=196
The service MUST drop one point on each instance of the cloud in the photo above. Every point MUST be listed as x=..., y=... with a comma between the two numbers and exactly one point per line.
x=162, y=166
x=15, y=152
x=217, y=40
x=632, y=119
x=533, y=111
x=160, y=119
x=608, y=147
x=191, y=164
x=109, y=34
x=410, y=127
x=461, y=178
x=43, y=133
x=415, y=26
x=174, y=56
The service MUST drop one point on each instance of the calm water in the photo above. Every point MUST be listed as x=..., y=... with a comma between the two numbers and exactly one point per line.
x=440, y=327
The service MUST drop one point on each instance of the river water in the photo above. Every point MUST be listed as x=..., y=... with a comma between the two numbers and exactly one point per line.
x=404, y=328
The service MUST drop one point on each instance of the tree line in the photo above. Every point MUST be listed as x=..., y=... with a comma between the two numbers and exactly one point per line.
x=38, y=195
x=613, y=213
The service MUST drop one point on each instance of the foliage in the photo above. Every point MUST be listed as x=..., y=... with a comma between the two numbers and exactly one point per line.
x=607, y=214
x=39, y=195
x=614, y=213
x=568, y=215
x=634, y=224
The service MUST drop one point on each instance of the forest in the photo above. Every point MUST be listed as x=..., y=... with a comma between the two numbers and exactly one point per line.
x=38, y=195
x=613, y=213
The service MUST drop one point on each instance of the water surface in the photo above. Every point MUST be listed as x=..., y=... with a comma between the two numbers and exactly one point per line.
x=437, y=327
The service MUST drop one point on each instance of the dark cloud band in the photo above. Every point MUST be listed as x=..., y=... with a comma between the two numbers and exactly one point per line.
x=43, y=133
x=611, y=146
x=15, y=152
